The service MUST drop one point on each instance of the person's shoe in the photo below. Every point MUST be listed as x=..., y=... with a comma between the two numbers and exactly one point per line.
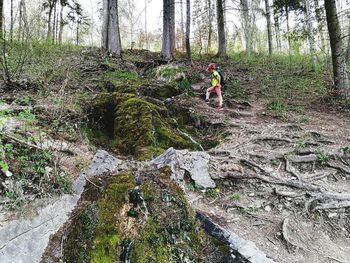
x=220, y=108
x=206, y=100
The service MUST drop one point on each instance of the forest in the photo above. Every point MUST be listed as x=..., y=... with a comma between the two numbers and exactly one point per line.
x=182, y=131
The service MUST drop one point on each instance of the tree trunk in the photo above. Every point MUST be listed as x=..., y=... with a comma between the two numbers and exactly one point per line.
x=11, y=22
x=1, y=18
x=320, y=21
x=188, y=26
x=105, y=24
x=60, y=34
x=172, y=26
x=310, y=34
x=146, y=33
x=49, y=29
x=347, y=53
x=288, y=28
x=183, y=38
x=210, y=25
x=114, y=44
x=339, y=67
x=277, y=30
x=20, y=21
x=221, y=29
x=246, y=25
x=268, y=25
x=54, y=22
x=168, y=40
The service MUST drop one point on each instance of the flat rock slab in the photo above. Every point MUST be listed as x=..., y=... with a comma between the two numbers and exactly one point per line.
x=25, y=240
x=180, y=161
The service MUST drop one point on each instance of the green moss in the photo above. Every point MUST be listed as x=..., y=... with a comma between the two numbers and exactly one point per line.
x=107, y=240
x=122, y=81
x=140, y=130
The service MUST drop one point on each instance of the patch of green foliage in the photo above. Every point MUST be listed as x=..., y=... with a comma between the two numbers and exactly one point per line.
x=322, y=156
x=234, y=88
x=32, y=171
x=346, y=150
x=212, y=193
x=236, y=197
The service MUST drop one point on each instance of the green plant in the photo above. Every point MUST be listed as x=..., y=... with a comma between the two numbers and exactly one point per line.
x=322, y=156
x=278, y=106
x=236, y=197
x=212, y=193
x=26, y=115
x=184, y=84
x=346, y=150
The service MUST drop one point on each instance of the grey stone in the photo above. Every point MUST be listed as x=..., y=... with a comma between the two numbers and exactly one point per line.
x=180, y=161
x=242, y=248
x=102, y=163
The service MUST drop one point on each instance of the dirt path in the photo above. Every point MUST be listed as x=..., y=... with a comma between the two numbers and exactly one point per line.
x=283, y=184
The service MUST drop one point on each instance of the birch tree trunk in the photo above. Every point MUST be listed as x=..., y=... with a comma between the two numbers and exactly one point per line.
x=340, y=76
x=268, y=26
x=310, y=34
x=188, y=27
x=221, y=29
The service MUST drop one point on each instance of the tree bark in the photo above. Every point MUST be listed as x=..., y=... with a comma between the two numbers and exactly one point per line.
x=288, y=27
x=310, y=34
x=183, y=37
x=60, y=33
x=114, y=43
x=210, y=24
x=320, y=21
x=268, y=25
x=277, y=30
x=246, y=25
x=1, y=18
x=221, y=29
x=188, y=26
x=11, y=22
x=338, y=59
x=168, y=39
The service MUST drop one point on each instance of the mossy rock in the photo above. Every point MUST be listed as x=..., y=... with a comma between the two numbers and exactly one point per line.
x=141, y=129
x=160, y=91
x=122, y=81
x=166, y=229
x=135, y=126
x=169, y=73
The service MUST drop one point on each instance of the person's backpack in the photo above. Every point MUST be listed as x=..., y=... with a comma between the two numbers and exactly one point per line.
x=222, y=79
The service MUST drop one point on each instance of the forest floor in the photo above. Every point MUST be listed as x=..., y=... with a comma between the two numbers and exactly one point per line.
x=282, y=164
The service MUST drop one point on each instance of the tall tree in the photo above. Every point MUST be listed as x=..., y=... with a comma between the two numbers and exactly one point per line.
x=1, y=17
x=188, y=26
x=320, y=22
x=168, y=40
x=310, y=33
x=340, y=76
x=110, y=32
x=221, y=28
x=11, y=21
x=50, y=5
x=246, y=25
x=268, y=26
x=210, y=24
x=277, y=26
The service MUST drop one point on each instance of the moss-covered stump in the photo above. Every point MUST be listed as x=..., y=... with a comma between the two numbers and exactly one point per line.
x=151, y=222
x=135, y=126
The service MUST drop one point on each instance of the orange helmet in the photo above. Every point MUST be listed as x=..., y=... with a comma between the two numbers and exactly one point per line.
x=211, y=66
